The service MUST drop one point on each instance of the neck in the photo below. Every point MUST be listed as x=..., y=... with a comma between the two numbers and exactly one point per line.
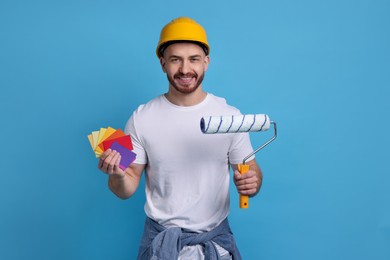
x=186, y=100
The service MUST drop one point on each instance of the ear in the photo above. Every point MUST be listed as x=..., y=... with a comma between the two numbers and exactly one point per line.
x=206, y=62
x=162, y=63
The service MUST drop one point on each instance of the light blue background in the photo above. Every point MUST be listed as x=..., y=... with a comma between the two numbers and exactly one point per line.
x=321, y=69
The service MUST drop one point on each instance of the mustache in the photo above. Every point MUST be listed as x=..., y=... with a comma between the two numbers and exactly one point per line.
x=190, y=74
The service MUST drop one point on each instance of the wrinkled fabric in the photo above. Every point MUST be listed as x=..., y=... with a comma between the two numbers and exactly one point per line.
x=193, y=252
x=160, y=243
x=187, y=175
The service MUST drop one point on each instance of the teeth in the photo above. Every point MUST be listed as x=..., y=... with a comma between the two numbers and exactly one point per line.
x=185, y=78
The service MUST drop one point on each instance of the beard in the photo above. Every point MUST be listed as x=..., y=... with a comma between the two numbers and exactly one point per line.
x=186, y=89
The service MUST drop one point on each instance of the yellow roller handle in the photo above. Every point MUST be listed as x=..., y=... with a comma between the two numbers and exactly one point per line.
x=244, y=200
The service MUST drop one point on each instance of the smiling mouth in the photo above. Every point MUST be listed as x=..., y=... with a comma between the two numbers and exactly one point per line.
x=185, y=79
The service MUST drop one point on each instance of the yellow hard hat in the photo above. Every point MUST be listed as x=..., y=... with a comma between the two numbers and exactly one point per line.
x=182, y=29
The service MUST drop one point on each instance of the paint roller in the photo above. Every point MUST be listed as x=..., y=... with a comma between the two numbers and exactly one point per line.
x=239, y=124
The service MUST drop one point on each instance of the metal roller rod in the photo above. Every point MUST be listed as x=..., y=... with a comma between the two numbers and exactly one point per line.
x=264, y=145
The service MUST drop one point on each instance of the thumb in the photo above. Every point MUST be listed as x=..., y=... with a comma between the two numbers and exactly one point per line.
x=237, y=175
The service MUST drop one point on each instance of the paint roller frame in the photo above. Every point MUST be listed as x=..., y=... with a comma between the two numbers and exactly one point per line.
x=263, y=145
x=243, y=168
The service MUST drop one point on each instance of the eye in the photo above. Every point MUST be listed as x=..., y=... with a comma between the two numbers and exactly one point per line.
x=196, y=59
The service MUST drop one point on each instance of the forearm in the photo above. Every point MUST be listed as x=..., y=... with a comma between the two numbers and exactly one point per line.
x=259, y=174
x=125, y=186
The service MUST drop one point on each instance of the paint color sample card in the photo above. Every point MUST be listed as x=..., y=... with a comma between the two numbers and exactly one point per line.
x=123, y=140
x=127, y=156
x=110, y=138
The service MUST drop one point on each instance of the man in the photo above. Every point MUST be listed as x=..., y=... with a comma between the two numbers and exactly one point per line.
x=187, y=172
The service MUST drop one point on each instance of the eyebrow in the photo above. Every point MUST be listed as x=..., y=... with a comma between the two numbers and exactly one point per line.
x=179, y=57
x=174, y=56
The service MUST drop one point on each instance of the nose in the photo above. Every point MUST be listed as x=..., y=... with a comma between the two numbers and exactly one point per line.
x=184, y=67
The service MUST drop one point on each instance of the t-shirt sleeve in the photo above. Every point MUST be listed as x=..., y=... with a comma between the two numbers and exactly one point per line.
x=138, y=147
x=240, y=148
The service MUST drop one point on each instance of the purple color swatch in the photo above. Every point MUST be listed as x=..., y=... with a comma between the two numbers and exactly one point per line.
x=127, y=155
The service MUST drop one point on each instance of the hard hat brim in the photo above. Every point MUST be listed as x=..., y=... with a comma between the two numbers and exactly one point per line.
x=163, y=46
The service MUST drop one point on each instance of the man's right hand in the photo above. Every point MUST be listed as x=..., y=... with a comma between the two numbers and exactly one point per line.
x=109, y=163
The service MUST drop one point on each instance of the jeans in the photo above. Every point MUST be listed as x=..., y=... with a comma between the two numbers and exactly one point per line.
x=160, y=243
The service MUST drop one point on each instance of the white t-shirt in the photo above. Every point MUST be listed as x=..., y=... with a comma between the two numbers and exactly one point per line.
x=187, y=172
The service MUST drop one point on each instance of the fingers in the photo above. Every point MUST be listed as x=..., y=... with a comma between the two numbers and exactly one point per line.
x=116, y=165
x=109, y=162
x=247, y=183
x=103, y=158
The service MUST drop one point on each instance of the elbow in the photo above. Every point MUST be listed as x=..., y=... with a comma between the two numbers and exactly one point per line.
x=122, y=196
x=120, y=193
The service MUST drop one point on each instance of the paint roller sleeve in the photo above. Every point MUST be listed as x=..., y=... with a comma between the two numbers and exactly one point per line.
x=234, y=124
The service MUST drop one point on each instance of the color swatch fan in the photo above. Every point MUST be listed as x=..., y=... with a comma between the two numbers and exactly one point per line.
x=110, y=138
